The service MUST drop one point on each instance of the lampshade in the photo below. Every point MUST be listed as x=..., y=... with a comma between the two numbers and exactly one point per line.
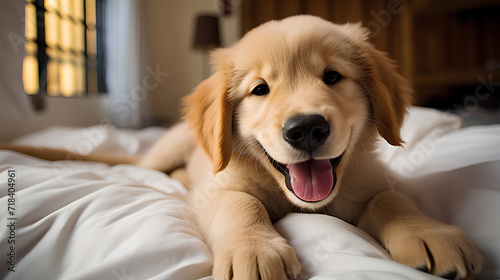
x=207, y=32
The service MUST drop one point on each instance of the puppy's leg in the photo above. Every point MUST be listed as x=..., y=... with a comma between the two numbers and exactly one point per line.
x=420, y=241
x=181, y=175
x=244, y=241
x=171, y=151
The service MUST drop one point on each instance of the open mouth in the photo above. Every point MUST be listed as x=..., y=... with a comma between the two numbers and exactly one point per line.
x=312, y=180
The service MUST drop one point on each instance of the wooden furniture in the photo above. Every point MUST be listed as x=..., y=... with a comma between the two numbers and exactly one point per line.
x=440, y=45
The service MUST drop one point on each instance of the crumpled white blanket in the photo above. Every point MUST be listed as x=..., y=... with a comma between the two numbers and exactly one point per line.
x=74, y=220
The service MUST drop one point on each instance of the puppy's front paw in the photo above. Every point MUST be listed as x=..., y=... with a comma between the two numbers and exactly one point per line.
x=256, y=258
x=440, y=249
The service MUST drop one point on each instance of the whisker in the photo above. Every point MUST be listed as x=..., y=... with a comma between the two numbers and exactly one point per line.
x=248, y=155
x=246, y=159
x=241, y=152
x=256, y=159
x=241, y=142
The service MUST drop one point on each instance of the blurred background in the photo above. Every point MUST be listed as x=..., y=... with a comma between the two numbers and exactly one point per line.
x=128, y=63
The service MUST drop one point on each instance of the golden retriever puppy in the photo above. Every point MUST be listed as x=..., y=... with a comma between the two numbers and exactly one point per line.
x=288, y=122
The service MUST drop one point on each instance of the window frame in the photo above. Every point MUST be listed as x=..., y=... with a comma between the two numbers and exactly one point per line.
x=43, y=58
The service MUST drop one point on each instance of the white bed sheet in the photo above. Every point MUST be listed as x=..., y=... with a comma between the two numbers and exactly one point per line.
x=91, y=221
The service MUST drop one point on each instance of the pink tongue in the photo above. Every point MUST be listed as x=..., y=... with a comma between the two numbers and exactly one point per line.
x=311, y=180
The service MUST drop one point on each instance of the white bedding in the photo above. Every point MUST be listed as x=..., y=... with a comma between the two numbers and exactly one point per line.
x=79, y=220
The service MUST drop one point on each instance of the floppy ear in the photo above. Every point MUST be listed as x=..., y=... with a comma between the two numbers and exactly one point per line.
x=389, y=92
x=209, y=113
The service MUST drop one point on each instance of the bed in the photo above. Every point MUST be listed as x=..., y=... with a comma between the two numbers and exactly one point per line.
x=88, y=220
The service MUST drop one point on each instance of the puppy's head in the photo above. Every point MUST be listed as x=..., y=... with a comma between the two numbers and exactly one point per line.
x=304, y=92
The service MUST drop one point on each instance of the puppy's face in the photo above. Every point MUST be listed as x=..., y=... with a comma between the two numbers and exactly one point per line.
x=299, y=98
x=302, y=91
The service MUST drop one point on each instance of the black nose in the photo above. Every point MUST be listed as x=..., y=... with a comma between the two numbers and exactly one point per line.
x=306, y=132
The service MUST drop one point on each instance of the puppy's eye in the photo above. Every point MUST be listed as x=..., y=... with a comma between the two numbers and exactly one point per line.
x=261, y=89
x=331, y=77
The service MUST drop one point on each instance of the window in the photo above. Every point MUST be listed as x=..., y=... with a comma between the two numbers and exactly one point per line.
x=64, y=47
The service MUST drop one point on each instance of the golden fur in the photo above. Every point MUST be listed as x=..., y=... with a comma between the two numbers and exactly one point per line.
x=236, y=129
x=236, y=191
